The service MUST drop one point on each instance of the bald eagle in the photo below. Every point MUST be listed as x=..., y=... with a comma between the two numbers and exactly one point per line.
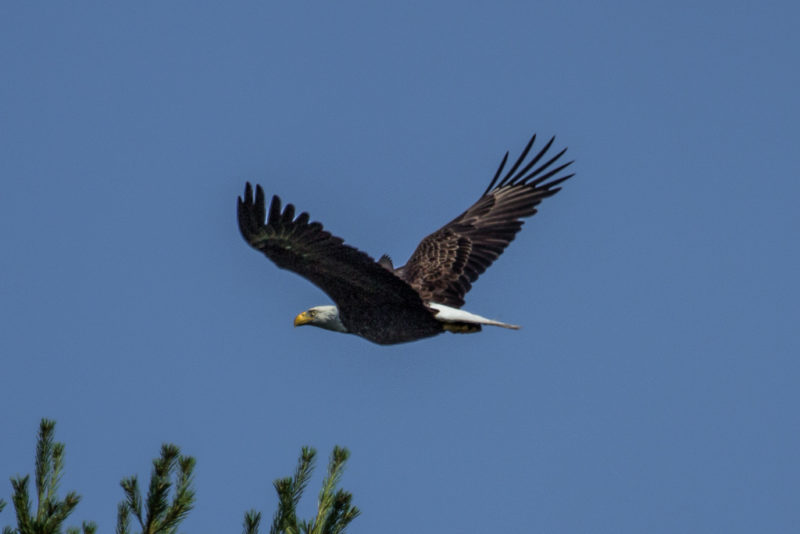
x=388, y=305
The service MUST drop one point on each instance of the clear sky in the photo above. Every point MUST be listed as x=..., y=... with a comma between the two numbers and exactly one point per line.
x=654, y=385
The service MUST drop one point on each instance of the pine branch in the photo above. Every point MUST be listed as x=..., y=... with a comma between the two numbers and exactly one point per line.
x=285, y=518
x=162, y=516
x=133, y=498
x=123, y=517
x=21, y=502
x=44, y=464
x=57, y=459
x=159, y=488
x=302, y=473
x=51, y=512
x=342, y=512
x=251, y=521
x=59, y=511
x=183, y=499
x=289, y=492
x=335, y=509
x=334, y=506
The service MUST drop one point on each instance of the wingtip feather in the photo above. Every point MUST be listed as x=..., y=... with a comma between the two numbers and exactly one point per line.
x=274, y=210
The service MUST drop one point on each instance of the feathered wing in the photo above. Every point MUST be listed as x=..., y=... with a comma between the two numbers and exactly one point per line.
x=447, y=262
x=350, y=277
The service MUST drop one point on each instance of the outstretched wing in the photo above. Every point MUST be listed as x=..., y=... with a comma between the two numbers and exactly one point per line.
x=350, y=277
x=447, y=262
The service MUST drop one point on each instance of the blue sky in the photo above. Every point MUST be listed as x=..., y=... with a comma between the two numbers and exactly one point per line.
x=653, y=387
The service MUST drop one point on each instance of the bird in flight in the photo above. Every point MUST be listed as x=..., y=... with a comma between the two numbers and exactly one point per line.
x=389, y=305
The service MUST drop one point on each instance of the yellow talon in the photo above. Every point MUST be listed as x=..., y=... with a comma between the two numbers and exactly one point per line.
x=462, y=328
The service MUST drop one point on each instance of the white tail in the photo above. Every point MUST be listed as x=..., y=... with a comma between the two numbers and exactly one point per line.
x=446, y=314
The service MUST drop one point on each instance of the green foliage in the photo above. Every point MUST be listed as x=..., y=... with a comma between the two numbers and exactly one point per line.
x=170, y=496
x=50, y=513
x=160, y=515
x=251, y=522
x=335, y=510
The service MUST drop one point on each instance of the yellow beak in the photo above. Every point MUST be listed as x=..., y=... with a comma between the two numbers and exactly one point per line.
x=303, y=318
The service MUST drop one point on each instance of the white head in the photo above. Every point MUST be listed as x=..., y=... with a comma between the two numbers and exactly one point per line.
x=326, y=317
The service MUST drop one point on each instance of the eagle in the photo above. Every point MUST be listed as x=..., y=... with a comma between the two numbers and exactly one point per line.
x=388, y=305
